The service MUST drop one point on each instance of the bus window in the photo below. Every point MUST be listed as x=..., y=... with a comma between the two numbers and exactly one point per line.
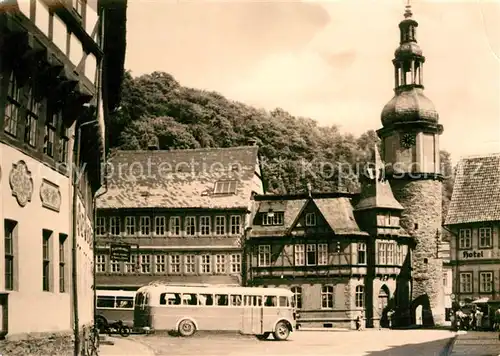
x=248, y=300
x=236, y=300
x=284, y=301
x=105, y=302
x=221, y=299
x=125, y=302
x=271, y=301
x=206, y=299
x=190, y=299
x=170, y=298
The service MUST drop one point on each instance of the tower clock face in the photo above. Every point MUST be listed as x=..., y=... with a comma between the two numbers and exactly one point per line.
x=408, y=140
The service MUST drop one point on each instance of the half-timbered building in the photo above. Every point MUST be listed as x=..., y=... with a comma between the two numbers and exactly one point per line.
x=343, y=255
x=58, y=82
x=183, y=212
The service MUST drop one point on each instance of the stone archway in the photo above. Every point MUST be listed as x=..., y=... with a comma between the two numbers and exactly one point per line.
x=421, y=311
x=382, y=304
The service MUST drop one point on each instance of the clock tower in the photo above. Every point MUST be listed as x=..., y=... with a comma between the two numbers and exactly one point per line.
x=410, y=141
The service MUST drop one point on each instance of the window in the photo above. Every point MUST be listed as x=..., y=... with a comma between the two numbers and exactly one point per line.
x=10, y=230
x=145, y=263
x=297, y=297
x=270, y=301
x=361, y=253
x=465, y=239
x=100, y=265
x=79, y=5
x=114, y=226
x=115, y=266
x=100, y=228
x=385, y=252
x=205, y=264
x=390, y=253
x=160, y=223
x=225, y=187
x=220, y=264
x=62, y=263
x=236, y=300
x=31, y=124
x=145, y=225
x=310, y=219
x=322, y=254
x=220, y=225
x=300, y=255
x=105, y=302
x=63, y=144
x=160, y=264
x=327, y=297
x=46, y=280
x=50, y=134
x=221, y=299
x=466, y=282
x=445, y=279
x=175, y=226
x=236, y=263
x=235, y=226
x=273, y=218
x=485, y=237
x=311, y=255
x=131, y=266
x=485, y=282
x=360, y=297
x=124, y=303
x=264, y=255
x=190, y=226
x=175, y=264
x=205, y=225
x=206, y=299
x=189, y=264
x=130, y=225
x=400, y=255
x=170, y=298
x=13, y=105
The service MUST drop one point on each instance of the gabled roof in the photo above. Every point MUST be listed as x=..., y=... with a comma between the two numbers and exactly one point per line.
x=376, y=192
x=337, y=212
x=180, y=179
x=476, y=191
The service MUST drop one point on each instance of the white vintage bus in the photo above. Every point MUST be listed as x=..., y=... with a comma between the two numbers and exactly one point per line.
x=254, y=311
x=114, y=305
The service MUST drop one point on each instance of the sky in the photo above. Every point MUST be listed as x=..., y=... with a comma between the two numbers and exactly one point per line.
x=329, y=60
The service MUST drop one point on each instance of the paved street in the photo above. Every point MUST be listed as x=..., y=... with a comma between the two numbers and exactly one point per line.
x=338, y=343
x=477, y=344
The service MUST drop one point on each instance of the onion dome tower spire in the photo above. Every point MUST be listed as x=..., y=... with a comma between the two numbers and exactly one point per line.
x=410, y=141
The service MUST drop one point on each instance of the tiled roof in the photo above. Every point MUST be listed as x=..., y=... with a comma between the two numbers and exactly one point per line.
x=338, y=212
x=376, y=192
x=476, y=191
x=179, y=178
x=291, y=208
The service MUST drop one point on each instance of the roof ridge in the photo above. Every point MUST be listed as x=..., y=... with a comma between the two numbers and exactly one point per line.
x=486, y=155
x=188, y=149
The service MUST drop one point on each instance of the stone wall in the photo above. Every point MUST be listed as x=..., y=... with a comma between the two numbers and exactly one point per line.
x=422, y=219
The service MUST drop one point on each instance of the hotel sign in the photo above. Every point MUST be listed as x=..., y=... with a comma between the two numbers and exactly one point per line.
x=480, y=254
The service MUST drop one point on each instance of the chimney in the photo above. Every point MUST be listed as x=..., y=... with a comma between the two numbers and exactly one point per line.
x=252, y=142
x=153, y=144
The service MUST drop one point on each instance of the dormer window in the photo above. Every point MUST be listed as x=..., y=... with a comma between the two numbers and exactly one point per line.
x=310, y=219
x=225, y=187
x=273, y=218
x=235, y=168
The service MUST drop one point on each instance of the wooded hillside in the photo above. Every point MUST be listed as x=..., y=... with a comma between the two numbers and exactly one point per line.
x=294, y=150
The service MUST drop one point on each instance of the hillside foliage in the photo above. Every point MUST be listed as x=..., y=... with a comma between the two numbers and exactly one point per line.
x=295, y=151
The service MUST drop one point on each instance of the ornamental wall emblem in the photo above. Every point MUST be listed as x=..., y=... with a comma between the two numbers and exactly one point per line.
x=50, y=195
x=21, y=183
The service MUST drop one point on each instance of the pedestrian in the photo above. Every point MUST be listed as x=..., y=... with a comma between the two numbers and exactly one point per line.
x=390, y=313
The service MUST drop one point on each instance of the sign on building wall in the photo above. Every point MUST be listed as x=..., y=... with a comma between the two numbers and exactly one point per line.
x=479, y=254
x=119, y=252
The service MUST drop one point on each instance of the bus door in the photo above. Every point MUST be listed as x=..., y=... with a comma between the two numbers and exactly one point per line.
x=252, y=315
